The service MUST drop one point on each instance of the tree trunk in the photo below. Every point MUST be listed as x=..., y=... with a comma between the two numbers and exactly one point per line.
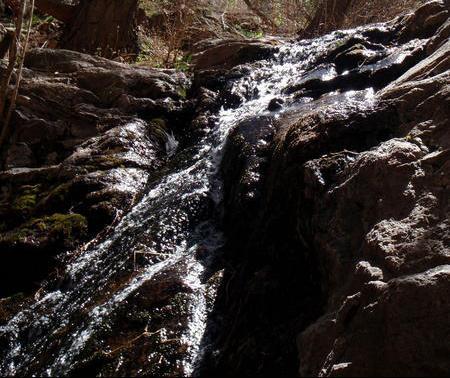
x=57, y=9
x=329, y=16
x=104, y=27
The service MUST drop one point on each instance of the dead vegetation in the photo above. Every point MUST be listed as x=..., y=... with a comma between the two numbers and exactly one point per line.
x=172, y=28
x=167, y=30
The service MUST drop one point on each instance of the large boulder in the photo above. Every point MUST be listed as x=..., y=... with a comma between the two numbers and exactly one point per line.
x=379, y=226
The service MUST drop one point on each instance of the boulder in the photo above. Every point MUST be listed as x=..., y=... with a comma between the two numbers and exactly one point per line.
x=226, y=54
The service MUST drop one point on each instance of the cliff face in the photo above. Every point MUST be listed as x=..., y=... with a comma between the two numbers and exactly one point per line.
x=380, y=228
x=346, y=242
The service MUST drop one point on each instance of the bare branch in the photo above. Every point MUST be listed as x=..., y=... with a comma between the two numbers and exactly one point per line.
x=21, y=59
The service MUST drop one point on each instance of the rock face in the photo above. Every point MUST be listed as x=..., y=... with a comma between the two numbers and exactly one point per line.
x=345, y=244
x=380, y=226
x=88, y=133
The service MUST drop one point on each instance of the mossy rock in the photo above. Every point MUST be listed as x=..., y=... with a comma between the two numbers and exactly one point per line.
x=111, y=161
x=56, y=199
x=25, y=203
x=60, y=192
x=182, y=92
x=65, y=230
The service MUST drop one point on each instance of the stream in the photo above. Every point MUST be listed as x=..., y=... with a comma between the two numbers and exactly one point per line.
x=173, y=234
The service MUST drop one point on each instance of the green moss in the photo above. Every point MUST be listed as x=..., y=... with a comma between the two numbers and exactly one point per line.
x=38, y=20
x=60, y=192
x=111, y=161
x=68, y=225
x=182, y=92
x=183, y=63
x=65, y=228
x=25, y=202
x=252, y=34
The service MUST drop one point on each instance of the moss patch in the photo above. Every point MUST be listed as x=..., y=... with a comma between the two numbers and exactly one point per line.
x=25, y=202
x=62, y=229
x=111, y=161
x=60, y=192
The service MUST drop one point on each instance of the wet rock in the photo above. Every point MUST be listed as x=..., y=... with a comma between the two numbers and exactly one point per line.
x=275, y=104
x=356, y=56
x=245, y=161
x=70, y=117
x=360, y=44
x=350, y=238
x=336, y=214
x=227, y=54
x=376, y=70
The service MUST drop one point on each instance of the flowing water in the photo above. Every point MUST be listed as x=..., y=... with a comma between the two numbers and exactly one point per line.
x=178, y=216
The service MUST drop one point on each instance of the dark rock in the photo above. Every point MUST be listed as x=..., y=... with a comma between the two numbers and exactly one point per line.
x=385, y=222
x=348, y=244
x=226, y=54
x=355, y=57
x=336, y=210
x=19, y=155
x=425, y=21
x=244, y=165
x=275, y=104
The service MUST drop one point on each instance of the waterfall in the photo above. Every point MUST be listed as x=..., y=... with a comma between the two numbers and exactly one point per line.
x=172, y=234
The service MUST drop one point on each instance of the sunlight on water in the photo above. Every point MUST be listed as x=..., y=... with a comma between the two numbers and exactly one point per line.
x=164, y=222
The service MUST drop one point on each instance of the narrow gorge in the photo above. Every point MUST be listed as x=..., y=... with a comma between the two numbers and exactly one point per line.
x=281, y=211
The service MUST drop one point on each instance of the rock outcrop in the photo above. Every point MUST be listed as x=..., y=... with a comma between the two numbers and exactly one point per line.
x=87, y=135
x=380, y=227
x=343, y=240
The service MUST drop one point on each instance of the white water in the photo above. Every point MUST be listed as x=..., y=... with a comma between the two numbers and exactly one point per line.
x=165, y=224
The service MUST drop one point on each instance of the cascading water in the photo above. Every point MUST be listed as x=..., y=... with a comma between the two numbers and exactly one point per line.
x=163, y=233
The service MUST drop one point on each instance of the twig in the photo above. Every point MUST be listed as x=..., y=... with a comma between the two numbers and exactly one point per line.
x=12, y=104
x=132, y=341
x=12, y=58
x=135, y=253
